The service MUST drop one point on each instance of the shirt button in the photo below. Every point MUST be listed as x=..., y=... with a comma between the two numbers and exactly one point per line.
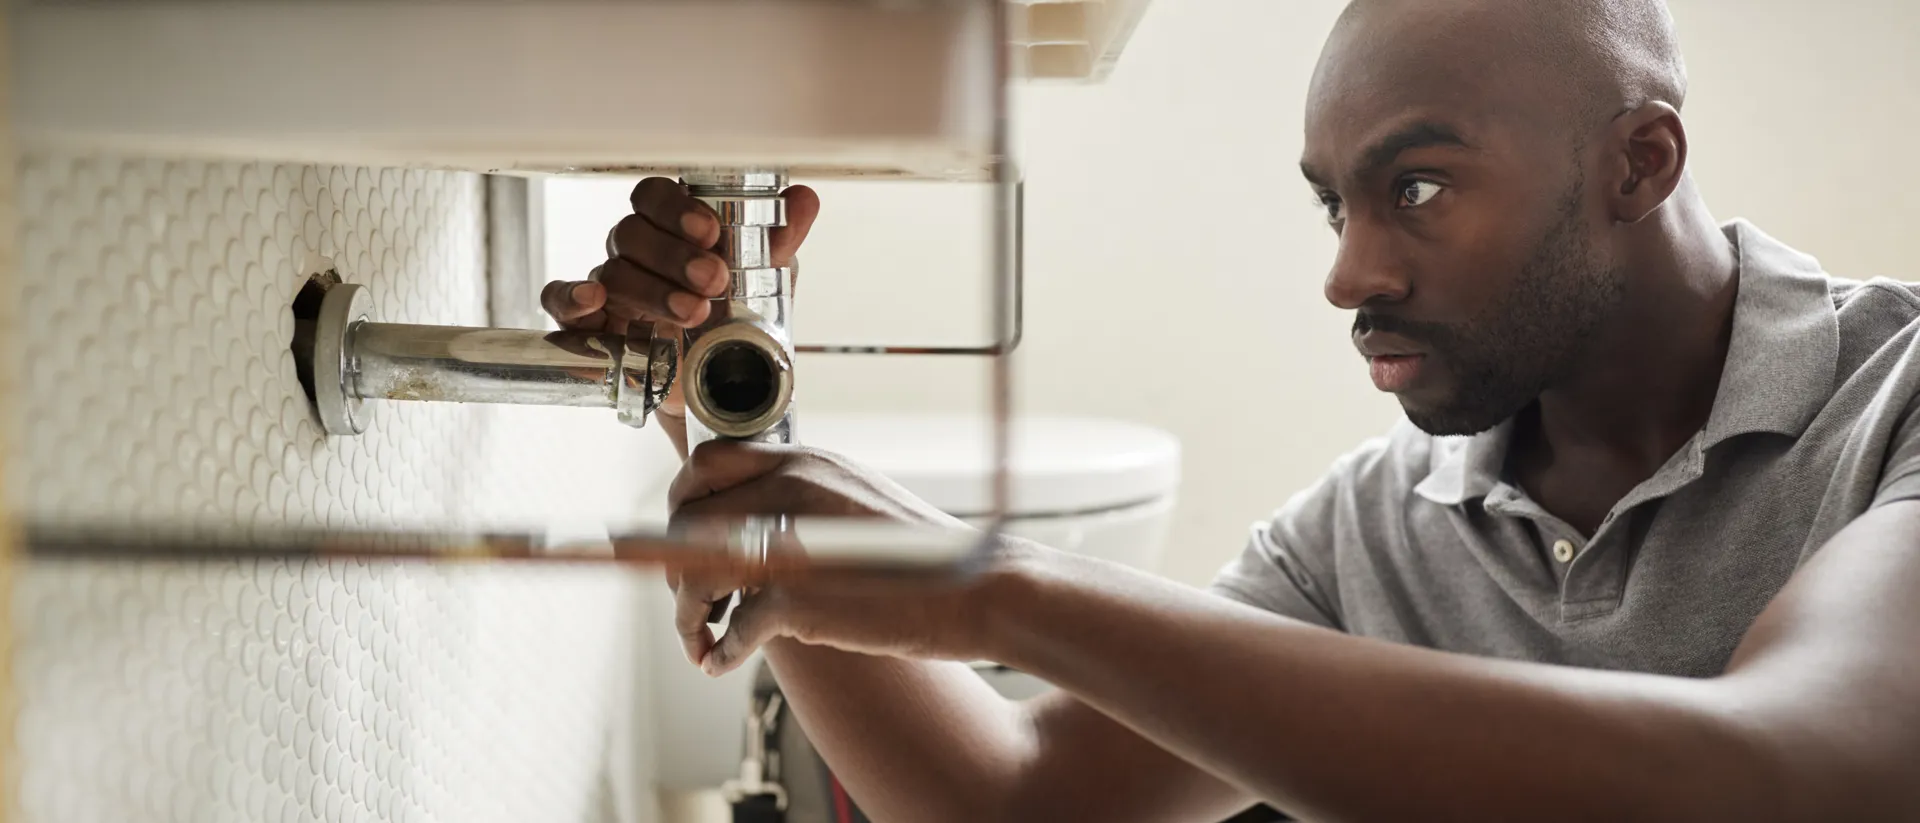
x=1563, y=551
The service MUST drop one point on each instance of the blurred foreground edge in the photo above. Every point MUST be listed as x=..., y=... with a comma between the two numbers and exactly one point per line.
x=770, y=546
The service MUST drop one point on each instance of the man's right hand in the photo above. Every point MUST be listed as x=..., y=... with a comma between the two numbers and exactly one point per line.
x=661, y=265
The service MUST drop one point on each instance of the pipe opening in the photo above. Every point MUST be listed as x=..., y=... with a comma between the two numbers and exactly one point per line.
x=739, y=380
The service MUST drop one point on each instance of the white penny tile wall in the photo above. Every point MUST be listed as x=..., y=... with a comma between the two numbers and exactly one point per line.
x=157, y=387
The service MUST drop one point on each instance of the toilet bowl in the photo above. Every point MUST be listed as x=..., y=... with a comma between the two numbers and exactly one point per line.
x=1098, y=487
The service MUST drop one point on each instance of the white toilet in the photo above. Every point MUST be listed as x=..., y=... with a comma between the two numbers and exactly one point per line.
x=1095, y=486
x=1099, y=487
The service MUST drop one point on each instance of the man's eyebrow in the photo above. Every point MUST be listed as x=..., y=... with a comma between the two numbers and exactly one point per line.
x=1312, y=176
x=1421, y=135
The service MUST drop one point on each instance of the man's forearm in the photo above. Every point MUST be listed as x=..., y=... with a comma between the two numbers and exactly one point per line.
x=1340, y=728
x=913, y=740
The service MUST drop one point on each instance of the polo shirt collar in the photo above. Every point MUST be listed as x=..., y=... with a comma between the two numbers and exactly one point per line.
x=1786, y=342
x=1779, y=373
x=1466, y=467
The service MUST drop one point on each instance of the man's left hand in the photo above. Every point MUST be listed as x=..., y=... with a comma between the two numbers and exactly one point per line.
x=724, y=479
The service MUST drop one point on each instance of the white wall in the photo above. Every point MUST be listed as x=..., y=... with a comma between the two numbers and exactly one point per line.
x=1176, y=258
x=1802, y=116
x=1168, y=203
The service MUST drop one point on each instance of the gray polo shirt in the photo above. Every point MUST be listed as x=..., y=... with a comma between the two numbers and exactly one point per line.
x=1420, y=539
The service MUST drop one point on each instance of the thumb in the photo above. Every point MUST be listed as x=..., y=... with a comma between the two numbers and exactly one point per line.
x=803, y=207
x=718, y=465
x=760, y=618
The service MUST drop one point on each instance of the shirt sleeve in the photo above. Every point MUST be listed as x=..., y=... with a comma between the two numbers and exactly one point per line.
x=1288, y=565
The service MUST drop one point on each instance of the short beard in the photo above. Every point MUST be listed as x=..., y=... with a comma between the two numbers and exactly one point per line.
x=1526, y=342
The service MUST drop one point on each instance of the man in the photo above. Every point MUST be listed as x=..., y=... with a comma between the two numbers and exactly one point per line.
x=1668, y=573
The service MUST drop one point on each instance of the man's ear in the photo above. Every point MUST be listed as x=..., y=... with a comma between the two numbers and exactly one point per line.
x=1651, y=160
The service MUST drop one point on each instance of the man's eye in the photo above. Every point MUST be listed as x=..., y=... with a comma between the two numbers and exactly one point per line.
x=1417, y=192
x=1332, y=205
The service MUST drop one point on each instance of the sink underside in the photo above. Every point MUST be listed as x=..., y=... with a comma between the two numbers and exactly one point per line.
x=824, y=88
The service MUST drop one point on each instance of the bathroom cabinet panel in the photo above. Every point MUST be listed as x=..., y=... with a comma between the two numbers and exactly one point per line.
x=823, y=88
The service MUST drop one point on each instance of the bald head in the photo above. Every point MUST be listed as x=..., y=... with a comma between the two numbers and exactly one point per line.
x=1617, y=55
x=1557, y=62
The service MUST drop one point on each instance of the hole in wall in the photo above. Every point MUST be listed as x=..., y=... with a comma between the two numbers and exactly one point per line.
x=306, y=314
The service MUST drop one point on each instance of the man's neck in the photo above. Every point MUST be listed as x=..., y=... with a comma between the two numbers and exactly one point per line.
x=1647, y=385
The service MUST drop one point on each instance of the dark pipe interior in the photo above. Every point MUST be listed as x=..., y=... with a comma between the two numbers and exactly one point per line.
x=306, y=309
x=738, y=380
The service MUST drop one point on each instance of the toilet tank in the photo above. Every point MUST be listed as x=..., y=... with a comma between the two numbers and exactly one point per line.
x=1095, y=486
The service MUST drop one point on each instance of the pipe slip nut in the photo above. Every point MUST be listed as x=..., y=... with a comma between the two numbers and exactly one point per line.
x=649, y=362
x=763, y=211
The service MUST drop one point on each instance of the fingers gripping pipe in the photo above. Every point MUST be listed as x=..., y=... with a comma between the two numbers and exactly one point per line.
x=737, y=374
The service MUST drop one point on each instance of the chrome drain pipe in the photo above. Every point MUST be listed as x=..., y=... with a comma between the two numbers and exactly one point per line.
x=737, y=372
x=347, y=359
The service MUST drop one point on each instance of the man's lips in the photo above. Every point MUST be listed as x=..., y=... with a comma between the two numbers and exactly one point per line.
x=1393, y=361
x=1395, y=373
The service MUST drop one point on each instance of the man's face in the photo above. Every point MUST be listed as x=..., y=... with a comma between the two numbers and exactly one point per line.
x=1468, y=243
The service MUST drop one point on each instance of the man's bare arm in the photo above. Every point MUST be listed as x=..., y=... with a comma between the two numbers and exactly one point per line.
x=927, y=741
x=1817, y=719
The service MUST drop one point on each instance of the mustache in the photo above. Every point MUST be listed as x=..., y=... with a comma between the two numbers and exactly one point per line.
x=1415, y=330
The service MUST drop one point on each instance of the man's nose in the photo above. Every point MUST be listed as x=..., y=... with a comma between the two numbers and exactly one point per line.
x=1365, y=270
